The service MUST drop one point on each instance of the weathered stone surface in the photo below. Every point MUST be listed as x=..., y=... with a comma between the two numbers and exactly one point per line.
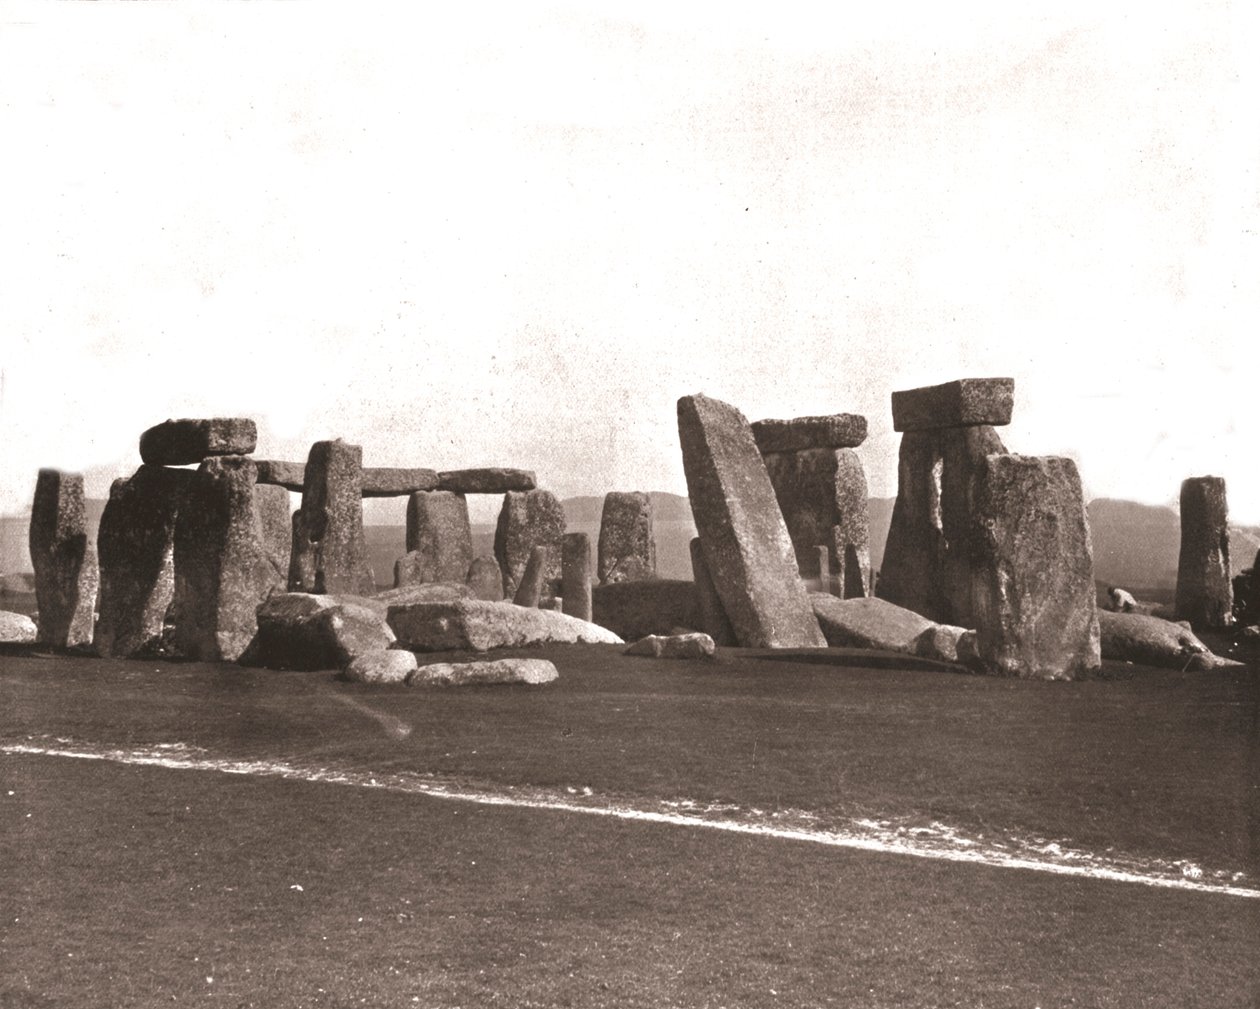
x=485, y=579
x=837, y=430
x=1150, y=641
x=635, y=609
x=329, y=553
x=289, y=475
x=222, y=571
x=943, y=643
x=674, y=646
x=1033, y=570
x=530, y=591
x=1205, y=594
x=966, y=402
x=136, y=550
x=16, y=628
x=297, y=630
x=471, y=624
x=439, y=534
x=868, y=623
x=490, y=480
x=275, y=526
x=66, y=575
x=711, y=617
x=426, y=592
x=627, y=551
x=746, y=545
x=528, y=519
x=459, y=674
x=385, y=665
x=391, y=481
x=575, y=575
x=187, y=441
x=822, y=495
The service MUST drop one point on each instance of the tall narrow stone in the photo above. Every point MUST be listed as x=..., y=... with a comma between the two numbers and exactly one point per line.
x=329, y=552
x=1205, y=593
x=275, y=525
x=746, y=545
x=530, y=590
x=575, y=575
x=222, y=571
x=712, y=617
x=485, y=579
x=439, y=533
x=627, y=551
x=526, y=520
x=66, y=576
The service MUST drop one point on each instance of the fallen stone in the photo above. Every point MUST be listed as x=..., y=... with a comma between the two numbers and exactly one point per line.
x=711, y=617
x=838, y=430
x=298, y=630
x=942, y=643
x=1205, y=594
x=187, y=441
x=16, y=628
x=1150, y=641
x=869, y=623
x=746, y=545
x=439, y=534
x=329, y=552
x=966, y=402
x=460, y=674
x=528, y=519
x=289, y=475
x=275, y=526
x=490, y=480
x=627, y=551
x=471, y=624
x=385, y=665
x=389, y=481
x=64, y=559
x=530, y=591
x=674, y=646
x=635, y=609
x=485, y=579
x=575, y=575
x=426, y=592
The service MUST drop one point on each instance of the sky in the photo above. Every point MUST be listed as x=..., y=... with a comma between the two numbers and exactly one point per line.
x=515, y=234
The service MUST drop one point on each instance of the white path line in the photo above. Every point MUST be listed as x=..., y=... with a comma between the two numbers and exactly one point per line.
x=180, y=757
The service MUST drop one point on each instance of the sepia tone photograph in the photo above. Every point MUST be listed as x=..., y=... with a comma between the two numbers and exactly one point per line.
x=629, y=505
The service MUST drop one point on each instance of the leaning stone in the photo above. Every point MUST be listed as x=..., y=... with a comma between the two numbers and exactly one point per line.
x=486, y=481
x=711, y=617
x=868, y=623
x=183, y=442
x=964, y=403
x=635, y=609
x=530, y=591
x=297, y=630
x=1033, y=570
x=1205, y=594
x=1150, y=641
x=575, y=575
x=439, y=534
x=329, y=552
x=471, y=624
x=66, y=575
x=528, y=519
x=222, y=571
x=289, y=475
x=627, y=550
x=16, y=628
x=485, y=579
x=674, y=646
x=388, y=481
x=496, y=671
x=386, y=665
x=746, y=545
x=136, y=550
x=838, y=430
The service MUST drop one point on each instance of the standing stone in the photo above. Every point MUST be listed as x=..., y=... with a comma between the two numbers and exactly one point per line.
x=627, y=551
x=826, y=583
x=1033, y=570
x=575, y=575
x=183, y=442
x=136, y=548
x=528, y=519
x=66, y=576
x=822, y=495
x=275, y=525
x=530, y=590
x=222, y=571
x=1205, y=594
x=745, y=543
x=485, y=579
x=712, y=617
x=329, y=552
x=438, y=532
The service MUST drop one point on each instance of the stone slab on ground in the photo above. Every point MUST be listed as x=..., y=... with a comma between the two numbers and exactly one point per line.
x=329, y=551
x=64, y=558
x=635, y=609
x=392, y=481
x=532, y=672
x=674, y=646
x=476, y=625
x=837, y=430
x=1150, y=641
x=16, y=628
x=298, y=630
x=487, y=480
x=385, y=665
x=963, y=403
x=189, y=440
x=426, y=592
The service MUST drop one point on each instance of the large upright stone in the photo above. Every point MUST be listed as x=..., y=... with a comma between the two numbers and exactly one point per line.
x=528, y=519
x=1205, y=594
x=575, y=575
x=965, y=403
x=136, y=548
x=66, y=576
x=183, y=442
x=745, y=543
x=222, y=571
x=485, y=579
x=822, y=494
x=837, y=430
x=627, y=551
x=329, y=552
x=1033, y=570
x=438, y=532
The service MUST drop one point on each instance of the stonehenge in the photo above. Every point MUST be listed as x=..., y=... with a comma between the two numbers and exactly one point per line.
x=529, y=519
x=575, y=575
x=329, y=553
x=627, y=551
x=1205, y=594
x=66, y=576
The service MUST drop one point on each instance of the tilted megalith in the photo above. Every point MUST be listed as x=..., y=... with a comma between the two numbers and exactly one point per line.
x=575, y=575
x=528, y=519
x=745, y=543
x=64, y=560
x=439, y=538
x=329, y=551
x=627, y=550
x=222, y=571
x=1205, y=594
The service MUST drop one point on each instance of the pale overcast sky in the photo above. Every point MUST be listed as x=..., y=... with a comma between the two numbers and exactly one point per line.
x=516, y=234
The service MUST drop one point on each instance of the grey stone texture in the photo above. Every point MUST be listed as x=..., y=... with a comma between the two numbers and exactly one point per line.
x=385, y=665
x=485, y=579
x=289, y=475
x=528, y=519
x=965, y=403
x=634, y=609
x=837, y=430
x=426, y=592
x=66, y=575
x=531, y=672
x=674, y=646
x=745, y=542
x=1150, y=641
x=187, y=441
x=575, y=575
x=627, y=550
x=1205, y=594
x=275, y=525
x=439, y=534
x=222, y=571
x=822, y=495
x=488, y=480
x=329, y=553
x=1033, y=570
x=17, y=629
x=475, y=625
x=530, y=590
x=868, y=623
x=710, y=617
x=389, y=481
x=297, y=630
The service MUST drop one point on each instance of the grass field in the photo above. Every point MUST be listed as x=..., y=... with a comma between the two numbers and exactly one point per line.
x=132, y=885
